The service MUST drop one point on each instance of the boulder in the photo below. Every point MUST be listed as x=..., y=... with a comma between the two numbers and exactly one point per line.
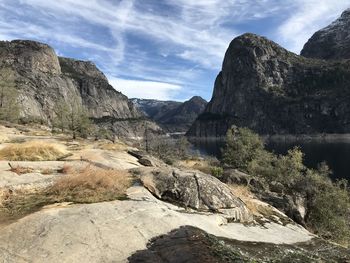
x=195, y=190
x=145, y=159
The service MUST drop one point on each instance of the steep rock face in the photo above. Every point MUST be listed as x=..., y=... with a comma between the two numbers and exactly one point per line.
x=43, y=79
x=331, y=42
x=273, y=91
x=173, y=116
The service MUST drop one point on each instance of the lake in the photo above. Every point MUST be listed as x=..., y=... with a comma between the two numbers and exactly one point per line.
x=335, y=154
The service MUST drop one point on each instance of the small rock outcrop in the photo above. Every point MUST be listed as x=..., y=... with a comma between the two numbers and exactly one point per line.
x=43, y=79
x=331, y=42
x=172, y=116
x=270, y=90
x=195, y=190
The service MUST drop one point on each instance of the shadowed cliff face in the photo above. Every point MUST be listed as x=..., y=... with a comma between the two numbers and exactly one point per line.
x=43, y=79
x=331, y=42
x=273, y=91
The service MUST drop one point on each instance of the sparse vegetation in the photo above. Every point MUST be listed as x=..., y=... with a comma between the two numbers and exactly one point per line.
x=72, y=116
x=86, y=185
x=168, y=149
x=21, y=170
x=90, y=185
x=328, y=203
x=9, y=105
x=32, y=151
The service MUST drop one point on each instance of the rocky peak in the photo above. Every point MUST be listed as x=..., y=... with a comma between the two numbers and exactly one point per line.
x=27, y=55
x=270, y=90
x=331, y=42
x=77, y=68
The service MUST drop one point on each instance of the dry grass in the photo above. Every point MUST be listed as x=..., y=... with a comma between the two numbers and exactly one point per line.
x=86, y=185
x=112, y=146
x=255, y=206
x=200, y=165
x=21, y=170
x=66, y=169
x=91, y=184
x=32, y=151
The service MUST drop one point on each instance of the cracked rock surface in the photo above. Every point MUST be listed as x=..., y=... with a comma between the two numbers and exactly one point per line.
x=195, y=190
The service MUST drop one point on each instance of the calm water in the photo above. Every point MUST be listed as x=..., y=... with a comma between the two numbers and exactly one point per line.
x=336, y=154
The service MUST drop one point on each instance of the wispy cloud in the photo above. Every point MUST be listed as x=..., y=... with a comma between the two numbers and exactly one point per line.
x=163, y=44
x=146, y=89
x=308, y=17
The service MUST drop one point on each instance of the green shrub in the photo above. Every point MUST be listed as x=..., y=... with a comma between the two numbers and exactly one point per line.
x=242, y=147
x=328, y=203
x=217, y=171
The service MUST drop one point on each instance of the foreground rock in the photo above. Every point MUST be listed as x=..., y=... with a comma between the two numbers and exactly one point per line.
x=113, y=231
x=190, y=244
x=195, y=190
x=270, y=90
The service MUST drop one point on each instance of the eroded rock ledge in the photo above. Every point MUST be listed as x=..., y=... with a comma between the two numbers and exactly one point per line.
x=195, y=190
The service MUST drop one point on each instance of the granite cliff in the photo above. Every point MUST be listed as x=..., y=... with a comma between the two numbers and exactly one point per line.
x=270, y=90
x=331, y=42
x=43, y=79
x=172, y=116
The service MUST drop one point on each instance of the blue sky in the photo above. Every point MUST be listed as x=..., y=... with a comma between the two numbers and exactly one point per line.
x=162, y=49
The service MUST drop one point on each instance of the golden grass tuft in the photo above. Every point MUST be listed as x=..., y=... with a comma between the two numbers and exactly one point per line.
x=21, y=170
x=86, y=185
x=32, y=151
x=256, y=207
x=91, y=184
x=108, y=146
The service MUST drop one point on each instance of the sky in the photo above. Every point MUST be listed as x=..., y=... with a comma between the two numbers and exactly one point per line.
x=162, y=49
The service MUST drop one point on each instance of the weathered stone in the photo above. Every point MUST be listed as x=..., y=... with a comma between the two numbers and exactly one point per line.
x=195, y=190
x=331, y=42
x=270, y=90
x=146, y=162
x=43, y=79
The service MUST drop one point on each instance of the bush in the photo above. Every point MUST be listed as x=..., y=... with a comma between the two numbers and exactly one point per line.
x=328, y=203
x=32, y=151
x=169, y=149
x=242, y=147
x=217, y=171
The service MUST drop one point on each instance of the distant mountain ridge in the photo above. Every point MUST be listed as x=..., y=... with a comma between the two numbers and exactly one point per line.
x=270, y=90
x=172, y=116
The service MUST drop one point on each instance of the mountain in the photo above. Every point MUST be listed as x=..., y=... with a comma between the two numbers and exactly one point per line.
x=43, y=79
x=155, y=109
x=331, y=42
x=270, y=90
x=172, y=116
